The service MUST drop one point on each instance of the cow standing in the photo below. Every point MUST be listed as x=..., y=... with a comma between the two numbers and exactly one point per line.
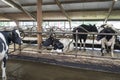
x=83, y=29
x=107, y=39
x=5, y=39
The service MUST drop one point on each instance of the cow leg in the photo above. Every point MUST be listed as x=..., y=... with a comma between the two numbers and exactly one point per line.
x=3, y=66
x=103, y=48
x=102, y=51
x=80, y=44
x=112, y=49
x=84, y=47
x=112, y=54
x=108, y=49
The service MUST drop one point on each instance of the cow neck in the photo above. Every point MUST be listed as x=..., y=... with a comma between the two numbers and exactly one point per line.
x=8, y=36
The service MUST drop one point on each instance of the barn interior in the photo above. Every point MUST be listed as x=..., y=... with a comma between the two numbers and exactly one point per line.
x=35, y=18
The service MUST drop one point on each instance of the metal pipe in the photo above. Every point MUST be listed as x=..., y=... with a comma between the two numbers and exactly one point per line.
x=93, y=42
x=76, y=43
x=91, y=33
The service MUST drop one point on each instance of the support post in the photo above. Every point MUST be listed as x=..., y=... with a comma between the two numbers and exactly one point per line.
x=39, y=22
x=76, y=43
x=93, y=42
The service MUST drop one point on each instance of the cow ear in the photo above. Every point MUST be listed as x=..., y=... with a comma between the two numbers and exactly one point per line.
x=90, y=25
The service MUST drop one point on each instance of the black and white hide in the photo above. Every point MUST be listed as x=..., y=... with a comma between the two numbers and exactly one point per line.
x=68, y=45
x=107, y=39
x=48, y=42
x=6, y=37
x=55, y=43
x=83, y=29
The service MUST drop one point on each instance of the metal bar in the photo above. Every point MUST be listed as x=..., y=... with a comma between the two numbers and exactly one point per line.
x=110, y=11
x=93, y=41
x=91, y=33
x=76, y=43
x=64, y=12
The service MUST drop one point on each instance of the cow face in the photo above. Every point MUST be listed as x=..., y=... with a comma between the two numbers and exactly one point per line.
x=92, y=28
x=100, y=36
x=16, y=38
x=105, y=30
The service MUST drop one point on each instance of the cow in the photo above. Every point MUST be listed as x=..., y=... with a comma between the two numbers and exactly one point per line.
x=107, y=37
x=57, y=45
x=6, y=37
x=48, y=41
x=83, y=29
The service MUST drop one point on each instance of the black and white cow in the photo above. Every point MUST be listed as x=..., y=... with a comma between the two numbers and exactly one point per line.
x=5, y=39
x=53, y=42
x=83, y=29
x=107, y=39
x=48, y=42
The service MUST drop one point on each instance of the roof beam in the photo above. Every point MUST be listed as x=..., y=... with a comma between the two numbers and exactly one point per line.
x=81, y=1
x=7, y=16
x=62, y=2
x=110, y=11
x=18, y=6
x=63, y=11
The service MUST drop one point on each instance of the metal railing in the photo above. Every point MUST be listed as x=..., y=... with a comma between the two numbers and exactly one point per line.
x=70, y=34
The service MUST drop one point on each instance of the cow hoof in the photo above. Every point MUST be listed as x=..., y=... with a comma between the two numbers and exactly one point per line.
x=79, y=48
x=4, y=78
x=112, y=55
x=84, y=49
x=102, y=54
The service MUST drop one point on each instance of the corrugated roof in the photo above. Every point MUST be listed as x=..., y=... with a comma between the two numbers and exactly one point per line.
x=50, y=6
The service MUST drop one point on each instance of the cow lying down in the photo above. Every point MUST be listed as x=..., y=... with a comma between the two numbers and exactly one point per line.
x=55, y=43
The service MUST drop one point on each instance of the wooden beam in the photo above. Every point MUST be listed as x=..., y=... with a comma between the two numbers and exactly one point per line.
x=110, y=11
x=5, y=15
x=18, y=6
x=39, y=22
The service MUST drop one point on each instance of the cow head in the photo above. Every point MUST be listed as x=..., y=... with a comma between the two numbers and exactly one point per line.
x=54, y=42
x=100, y=36
x=48, y=42
x=93, y=28
x=16, y=38
x=90, y=28
x=57, y=44
x=105, y=30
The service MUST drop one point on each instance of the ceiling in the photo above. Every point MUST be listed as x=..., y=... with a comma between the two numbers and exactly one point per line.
x=61, y=10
